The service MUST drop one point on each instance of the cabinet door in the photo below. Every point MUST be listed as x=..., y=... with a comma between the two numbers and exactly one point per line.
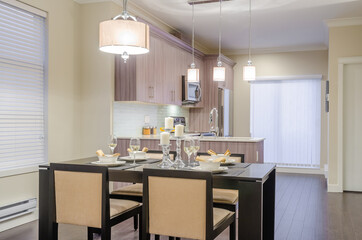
x=125, y=79
x=159, y=70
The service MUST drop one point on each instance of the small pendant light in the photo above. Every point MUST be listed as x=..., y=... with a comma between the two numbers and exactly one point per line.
x=124, y=35
x=193, y=72
x=219, y=71
x=249, y=71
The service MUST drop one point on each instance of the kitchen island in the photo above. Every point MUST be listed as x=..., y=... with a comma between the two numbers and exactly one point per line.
x=252, y=149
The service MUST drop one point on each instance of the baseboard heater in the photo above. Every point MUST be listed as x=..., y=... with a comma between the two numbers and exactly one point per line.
x=17, y=209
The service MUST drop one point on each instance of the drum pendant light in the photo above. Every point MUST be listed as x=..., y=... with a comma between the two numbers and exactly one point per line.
x=249, y=70
x=124, y=35
x=193, y=72
x=219, y=71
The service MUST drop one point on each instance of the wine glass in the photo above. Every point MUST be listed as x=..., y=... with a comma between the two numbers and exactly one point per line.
x=188, y=148
x=112, y=143
x=195, y=149
x=134, y=145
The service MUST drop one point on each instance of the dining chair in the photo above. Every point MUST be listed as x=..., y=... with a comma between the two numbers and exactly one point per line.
x=134, y=191
x=81, y=195
x=226, y=198
x=179, y=204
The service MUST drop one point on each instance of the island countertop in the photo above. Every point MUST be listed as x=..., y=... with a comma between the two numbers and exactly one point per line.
x=205, y=138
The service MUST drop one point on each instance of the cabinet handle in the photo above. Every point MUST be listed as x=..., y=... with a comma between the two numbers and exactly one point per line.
x=153, y=92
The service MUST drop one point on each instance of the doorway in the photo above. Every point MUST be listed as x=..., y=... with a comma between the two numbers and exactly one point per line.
x=352, y=127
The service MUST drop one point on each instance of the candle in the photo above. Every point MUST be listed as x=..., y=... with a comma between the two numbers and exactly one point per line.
x=169, y=123
x=179, y=130
x=165, y=138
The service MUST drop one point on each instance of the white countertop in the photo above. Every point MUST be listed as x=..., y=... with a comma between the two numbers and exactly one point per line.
x=204, y=138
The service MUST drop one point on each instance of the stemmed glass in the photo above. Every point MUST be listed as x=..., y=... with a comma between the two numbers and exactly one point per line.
x=134, y=145
x=112, y=143
x=195, y=149
x=189, y=148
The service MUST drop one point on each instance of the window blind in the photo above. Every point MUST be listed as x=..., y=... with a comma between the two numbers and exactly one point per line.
x=23, y=90
x=288, y=114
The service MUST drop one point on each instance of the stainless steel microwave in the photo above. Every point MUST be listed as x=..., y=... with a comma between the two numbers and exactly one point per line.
x=191, y=91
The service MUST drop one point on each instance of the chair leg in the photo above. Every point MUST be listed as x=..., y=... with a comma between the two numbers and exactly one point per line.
x=171, y=238
x=90, y=233
x=106, y=234
x=232, y=229
x=135, y=222
x=157, y=237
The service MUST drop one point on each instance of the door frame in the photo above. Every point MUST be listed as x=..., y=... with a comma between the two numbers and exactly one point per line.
x=341, y=63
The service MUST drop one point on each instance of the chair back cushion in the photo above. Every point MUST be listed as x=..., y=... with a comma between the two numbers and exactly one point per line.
x=177, y=207
x=78, y=198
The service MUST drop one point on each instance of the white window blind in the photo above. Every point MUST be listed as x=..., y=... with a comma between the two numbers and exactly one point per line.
x=288, y=114
x=23, y=61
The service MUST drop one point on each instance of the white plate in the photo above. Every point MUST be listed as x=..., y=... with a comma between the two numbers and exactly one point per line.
x=113, y=164
x=129, y=158
x=228, y=162
x=221, y=169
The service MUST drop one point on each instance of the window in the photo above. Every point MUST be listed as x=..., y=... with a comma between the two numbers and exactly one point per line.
x=23, y=86
x=288, y=114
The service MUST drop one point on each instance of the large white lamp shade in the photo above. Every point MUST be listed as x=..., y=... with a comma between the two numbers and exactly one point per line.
x=249, y=73
x=219, y=74
x=193, y=75
x=120, y=36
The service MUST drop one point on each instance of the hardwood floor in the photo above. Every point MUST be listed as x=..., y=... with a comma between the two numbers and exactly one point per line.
x=304, y=210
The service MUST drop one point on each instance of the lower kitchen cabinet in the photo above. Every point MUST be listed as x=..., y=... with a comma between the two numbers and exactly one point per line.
x=253, y=151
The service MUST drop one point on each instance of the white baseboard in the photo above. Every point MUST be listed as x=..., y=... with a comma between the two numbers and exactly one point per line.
x=335, y=188
x=6, y=225
x=300, y=170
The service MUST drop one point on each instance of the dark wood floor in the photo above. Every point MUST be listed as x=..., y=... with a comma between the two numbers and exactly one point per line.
x=304, y=210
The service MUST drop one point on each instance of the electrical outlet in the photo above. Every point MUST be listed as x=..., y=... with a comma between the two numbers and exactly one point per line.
x=147, y=119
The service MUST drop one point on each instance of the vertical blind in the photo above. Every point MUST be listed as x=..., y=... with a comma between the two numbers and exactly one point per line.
x=23, y=58
x=288, y=114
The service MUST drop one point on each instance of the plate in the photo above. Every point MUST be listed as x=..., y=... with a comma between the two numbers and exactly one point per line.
x=228, y=162
x=130, y=159
x=113, y=164
x=221, y=169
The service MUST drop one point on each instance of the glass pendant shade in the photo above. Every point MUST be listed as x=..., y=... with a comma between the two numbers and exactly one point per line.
x=193, y=75
x=249, y=72
x=219, y=74
x=124, y=36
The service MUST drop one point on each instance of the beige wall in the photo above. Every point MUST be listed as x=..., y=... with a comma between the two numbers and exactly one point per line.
x=63, y=100
x=97, y=79
x=277, y=64
x=343, y=42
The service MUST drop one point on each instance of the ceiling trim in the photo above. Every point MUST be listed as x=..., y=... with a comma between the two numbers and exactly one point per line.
x=343, y=22
x=275, y=50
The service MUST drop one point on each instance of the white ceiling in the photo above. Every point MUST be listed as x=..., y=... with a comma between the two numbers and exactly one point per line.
x=282, y=25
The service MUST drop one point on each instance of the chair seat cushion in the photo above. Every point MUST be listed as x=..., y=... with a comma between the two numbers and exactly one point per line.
x=227, y=196
x=220, y=215
x=133, y=190
x=118, y=206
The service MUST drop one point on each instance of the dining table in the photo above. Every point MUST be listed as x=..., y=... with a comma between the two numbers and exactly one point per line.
x=255, y=183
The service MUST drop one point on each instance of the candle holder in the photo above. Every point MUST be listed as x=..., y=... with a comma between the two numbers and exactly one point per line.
x=166, y=161
x=178, y=163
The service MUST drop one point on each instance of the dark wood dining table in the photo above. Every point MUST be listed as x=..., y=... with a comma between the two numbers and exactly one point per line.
x=255, y=183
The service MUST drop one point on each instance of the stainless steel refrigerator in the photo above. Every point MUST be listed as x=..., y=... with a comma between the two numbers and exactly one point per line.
x=225, y=109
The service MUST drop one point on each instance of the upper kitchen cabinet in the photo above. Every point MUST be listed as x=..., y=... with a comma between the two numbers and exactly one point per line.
x=156, y=77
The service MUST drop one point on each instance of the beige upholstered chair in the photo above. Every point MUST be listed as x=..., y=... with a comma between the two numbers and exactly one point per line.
x=81, y=196
x=227, y=198
x=134, y=191
x=179, y=204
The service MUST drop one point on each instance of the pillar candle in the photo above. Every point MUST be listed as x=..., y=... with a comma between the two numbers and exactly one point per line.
x=165, y=138
x=169, y=123
x=179, y=130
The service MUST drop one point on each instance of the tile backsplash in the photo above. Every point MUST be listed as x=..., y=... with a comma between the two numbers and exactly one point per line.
x=129, y=117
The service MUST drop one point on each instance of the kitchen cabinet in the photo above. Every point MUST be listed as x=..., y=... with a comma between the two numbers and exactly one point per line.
x=199, y=117
x=253, y=150
x=155, y=77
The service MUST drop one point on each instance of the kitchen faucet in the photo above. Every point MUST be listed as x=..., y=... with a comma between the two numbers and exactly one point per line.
x=214, y=128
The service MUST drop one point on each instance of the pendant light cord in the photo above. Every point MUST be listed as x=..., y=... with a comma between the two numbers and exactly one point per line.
x=193, y=36
x=249, y=30
x=219, y=60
